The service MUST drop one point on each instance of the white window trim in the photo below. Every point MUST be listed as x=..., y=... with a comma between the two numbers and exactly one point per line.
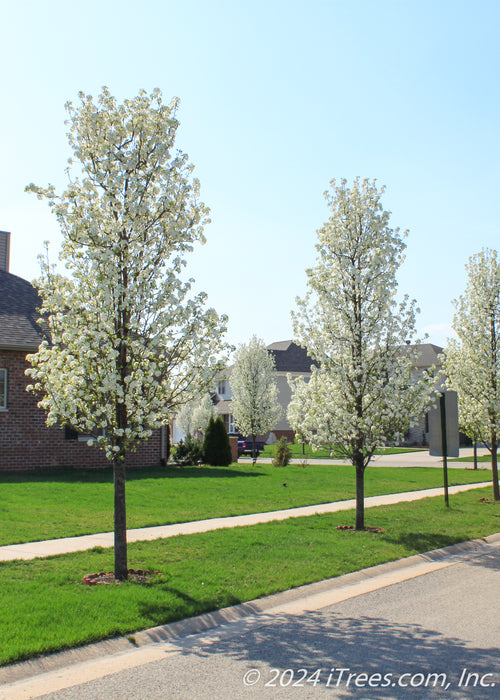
x=90, y=438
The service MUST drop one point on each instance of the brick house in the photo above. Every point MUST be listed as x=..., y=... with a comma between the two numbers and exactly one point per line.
x=25, y=440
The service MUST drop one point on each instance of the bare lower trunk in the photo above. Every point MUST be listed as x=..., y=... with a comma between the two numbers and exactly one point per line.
x=360, y=494
x=494, y=467
x=121, y=566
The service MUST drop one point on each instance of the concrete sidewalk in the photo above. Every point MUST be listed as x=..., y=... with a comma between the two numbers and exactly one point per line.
x=32, y=550
x=420, y=458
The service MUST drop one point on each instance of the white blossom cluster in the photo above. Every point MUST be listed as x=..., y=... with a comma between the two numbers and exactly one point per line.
x=472, y=363
x=255, y=404
x=127, y=344
x=193, y=417
x=364, y=393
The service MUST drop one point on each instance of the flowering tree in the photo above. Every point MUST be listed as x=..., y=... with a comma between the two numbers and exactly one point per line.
x=127, y=344
x=193, y=417
x=310, y=410
x=255, y=395
x=472, y=363
x=363, y=392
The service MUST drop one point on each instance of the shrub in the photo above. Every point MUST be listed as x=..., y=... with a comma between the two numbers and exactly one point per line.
x=188, y=452
x=216, y=446
x=282, y=453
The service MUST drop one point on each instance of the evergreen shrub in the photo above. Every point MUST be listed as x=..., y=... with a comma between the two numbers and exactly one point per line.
x=188, y=452
x=282, y=453
x=216, y=446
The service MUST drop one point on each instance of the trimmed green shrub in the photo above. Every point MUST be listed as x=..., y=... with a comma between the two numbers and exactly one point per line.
x=282, y=453
x=216, y=446
x=188, y=452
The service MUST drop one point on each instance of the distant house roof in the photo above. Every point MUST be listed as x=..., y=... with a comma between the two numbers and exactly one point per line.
x=427, y=355
x=224, y=406
x=19, y=302
x=290, y=357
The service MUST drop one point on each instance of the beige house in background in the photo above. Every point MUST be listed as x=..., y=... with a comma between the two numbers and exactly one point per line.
x=289, y=358
x=428, y=358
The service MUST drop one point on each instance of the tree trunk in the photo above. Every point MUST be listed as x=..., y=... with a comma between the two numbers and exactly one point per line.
x=121, y=566
x=168, y=444
x=475, y=454
x=360, y=493
x=494, y=467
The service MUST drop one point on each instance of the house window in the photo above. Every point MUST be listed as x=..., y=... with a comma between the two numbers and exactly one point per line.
x=71, y=434
x=3, y=389
x=229, y=424
x=221, y=387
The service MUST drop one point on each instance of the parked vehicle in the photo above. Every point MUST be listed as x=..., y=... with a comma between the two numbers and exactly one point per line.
x=245, y=447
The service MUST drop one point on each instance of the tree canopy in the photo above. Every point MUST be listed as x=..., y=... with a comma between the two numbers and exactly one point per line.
x=255, y=394
x=364, y=392
x=128, y=344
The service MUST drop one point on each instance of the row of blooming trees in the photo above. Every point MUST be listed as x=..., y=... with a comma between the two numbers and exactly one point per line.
x=364, y=392
x=129, y=346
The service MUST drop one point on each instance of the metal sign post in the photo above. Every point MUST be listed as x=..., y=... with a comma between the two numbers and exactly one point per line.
x=442, y=406
x=443, y=432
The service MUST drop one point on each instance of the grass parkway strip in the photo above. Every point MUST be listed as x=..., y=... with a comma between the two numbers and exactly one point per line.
x=48, y=505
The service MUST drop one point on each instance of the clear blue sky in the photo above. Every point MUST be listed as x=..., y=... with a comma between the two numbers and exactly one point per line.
x=277, y=97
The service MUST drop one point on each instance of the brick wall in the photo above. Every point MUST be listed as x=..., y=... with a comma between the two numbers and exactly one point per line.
x=26, y=442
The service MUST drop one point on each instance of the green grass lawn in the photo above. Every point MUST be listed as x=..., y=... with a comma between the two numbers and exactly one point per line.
x=45, y=607
x=480, y=458
x=38, y=505
x=305, y=451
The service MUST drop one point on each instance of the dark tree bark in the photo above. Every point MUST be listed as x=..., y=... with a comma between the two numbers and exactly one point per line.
x=494, y=466
x=360, y=497
x=121, y=565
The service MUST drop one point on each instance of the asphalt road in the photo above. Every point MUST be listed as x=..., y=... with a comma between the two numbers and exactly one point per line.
x=434, y=635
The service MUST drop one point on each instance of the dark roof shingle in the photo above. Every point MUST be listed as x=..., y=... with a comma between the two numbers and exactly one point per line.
x=290, y=357
x=19, y=302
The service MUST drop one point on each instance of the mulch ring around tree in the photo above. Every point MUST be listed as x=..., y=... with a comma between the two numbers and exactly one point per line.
x=108, y=577
x=366, y=529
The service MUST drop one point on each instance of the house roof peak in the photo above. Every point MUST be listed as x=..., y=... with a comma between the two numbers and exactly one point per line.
x=19, y=304
x=290, y=357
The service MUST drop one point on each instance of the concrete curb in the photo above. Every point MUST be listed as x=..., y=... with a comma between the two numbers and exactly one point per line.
x=283, y=602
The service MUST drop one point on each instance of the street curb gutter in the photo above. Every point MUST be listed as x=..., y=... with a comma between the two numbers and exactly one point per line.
x=319, y=595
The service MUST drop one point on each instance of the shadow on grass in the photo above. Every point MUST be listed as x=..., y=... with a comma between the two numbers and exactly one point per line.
x=106, y=475
x=423, y=541
x=187, y=606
